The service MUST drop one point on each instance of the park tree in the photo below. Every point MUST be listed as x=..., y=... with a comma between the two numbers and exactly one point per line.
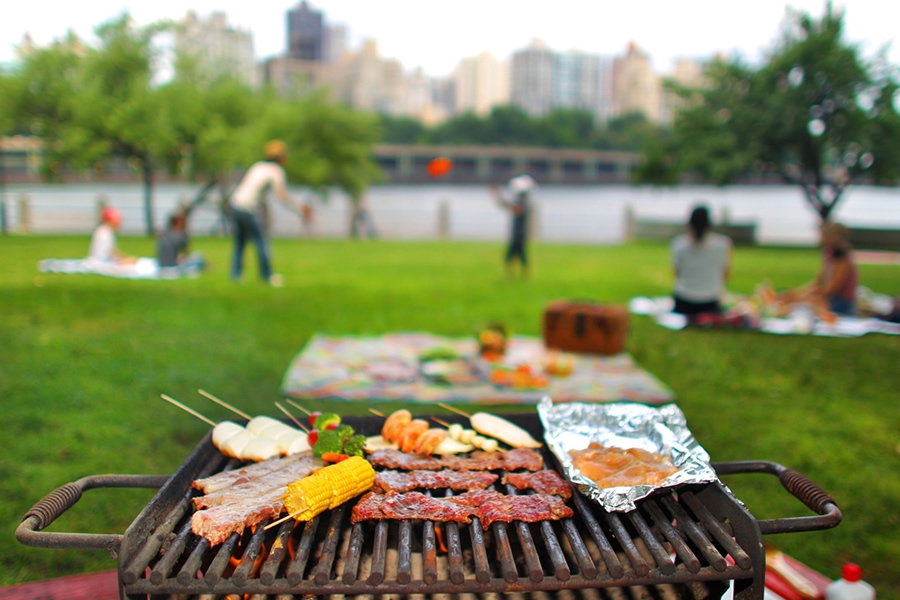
x=816, y=114
x=118, y=108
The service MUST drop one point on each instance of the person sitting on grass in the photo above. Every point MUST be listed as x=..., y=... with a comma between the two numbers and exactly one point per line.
x=833, y=291
x=103, y=248
x=702, y=263
x=172, y=246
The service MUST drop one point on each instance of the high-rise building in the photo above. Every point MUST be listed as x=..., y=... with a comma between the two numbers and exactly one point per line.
x=334, y=44
x=531, y=79
x=636, y=88
x=542, y=80
x=306, y=33
x=482, y=82
x=366, y=81
x=215, y=49
x=688, y=73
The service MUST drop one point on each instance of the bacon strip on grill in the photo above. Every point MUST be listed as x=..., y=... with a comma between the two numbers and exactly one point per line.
x=519, y=458
x=399, y=481
x=410, y=505
x=257, y=486
x=545, y=482
x=489, y=506
x=218, y=523
x=225, y=479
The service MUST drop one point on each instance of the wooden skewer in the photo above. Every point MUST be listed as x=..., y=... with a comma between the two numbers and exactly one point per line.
x=297, y=406
x=291, y=417
x=225, y=404
x=278, y=522
x=440, y=422
x=190, y=410
x=456, y=410
x=376, y=412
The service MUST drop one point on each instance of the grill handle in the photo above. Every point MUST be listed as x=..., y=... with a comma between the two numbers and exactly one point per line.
x=52, y=506
x=801, y=487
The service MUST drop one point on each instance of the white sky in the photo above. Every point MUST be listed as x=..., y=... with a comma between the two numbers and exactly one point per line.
x=436, y=35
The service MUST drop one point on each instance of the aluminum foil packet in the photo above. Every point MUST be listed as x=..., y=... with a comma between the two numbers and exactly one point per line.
x=659, y=429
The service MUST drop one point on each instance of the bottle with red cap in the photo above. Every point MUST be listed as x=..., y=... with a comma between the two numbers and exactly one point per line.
x=850, y=586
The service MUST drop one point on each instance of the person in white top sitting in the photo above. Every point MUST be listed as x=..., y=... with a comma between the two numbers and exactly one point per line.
x=103, y=248
x=245, y=202
x=702, y=262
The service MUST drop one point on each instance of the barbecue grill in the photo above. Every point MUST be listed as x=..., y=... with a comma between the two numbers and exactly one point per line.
x=688, y=543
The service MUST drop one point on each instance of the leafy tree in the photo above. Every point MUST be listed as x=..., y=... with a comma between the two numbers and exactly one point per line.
x=117, y=112
x=815, y=114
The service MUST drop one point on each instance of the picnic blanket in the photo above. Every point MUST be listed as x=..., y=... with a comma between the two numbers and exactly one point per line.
x=387, y=368
x=143, y=268
x=799, y=322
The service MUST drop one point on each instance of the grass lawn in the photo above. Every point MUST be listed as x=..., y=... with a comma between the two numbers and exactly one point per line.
x=83, y=360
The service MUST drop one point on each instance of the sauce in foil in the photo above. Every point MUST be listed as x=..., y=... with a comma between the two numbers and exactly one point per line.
x=614, y=467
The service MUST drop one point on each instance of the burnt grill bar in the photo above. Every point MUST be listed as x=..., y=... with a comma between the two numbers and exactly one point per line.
x=694, y=541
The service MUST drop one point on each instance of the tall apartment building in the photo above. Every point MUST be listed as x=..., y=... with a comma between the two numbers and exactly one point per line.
x=531, y=79
x=306, y=33
x=216, y=49
x=366, y=81
x=688, y=72
x=636, y=88
x=542, y=80
x=481, y=83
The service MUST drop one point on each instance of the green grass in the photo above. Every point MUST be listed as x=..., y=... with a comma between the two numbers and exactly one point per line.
x=83, y=360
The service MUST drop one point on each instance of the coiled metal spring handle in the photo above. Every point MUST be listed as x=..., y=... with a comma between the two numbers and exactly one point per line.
x=799, y=486
x=54, y=504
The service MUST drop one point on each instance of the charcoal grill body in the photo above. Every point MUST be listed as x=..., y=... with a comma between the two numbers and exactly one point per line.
x=695, y=536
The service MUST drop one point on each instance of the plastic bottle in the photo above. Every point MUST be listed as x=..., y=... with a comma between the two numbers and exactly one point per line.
x=850, y=586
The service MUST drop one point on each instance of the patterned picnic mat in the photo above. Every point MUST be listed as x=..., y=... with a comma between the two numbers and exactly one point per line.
x=387, y=368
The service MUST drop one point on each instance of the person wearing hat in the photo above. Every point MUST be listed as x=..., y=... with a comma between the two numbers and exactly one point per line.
x=248, y=198
x=103, y=248
x=517, y=200
x=834, y=288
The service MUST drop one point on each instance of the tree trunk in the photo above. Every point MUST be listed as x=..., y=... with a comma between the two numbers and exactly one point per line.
x=148, y=194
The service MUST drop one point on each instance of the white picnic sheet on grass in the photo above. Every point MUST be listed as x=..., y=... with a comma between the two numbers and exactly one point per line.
x=660, y=308
x=143, y=268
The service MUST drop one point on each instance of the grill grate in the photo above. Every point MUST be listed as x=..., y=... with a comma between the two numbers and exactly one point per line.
x=695, y=541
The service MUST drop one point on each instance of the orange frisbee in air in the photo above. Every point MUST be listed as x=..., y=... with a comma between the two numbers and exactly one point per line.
x=440, y=166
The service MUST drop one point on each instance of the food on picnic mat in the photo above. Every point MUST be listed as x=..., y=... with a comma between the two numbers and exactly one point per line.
x=492, y=341
x=522, y=377
x=611, y=467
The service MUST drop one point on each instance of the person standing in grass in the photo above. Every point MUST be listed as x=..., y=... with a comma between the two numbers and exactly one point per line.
x=702, y=262
x=517, y=200
x=247, y=200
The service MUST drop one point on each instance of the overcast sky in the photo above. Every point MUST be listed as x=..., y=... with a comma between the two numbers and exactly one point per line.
x=436, y=35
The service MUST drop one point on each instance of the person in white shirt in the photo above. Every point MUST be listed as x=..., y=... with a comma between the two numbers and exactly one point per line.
x=245, y=202
x=103, y=248
x=702, y=262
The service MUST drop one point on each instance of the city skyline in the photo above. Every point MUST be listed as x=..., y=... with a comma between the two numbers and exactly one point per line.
x=417, y=35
